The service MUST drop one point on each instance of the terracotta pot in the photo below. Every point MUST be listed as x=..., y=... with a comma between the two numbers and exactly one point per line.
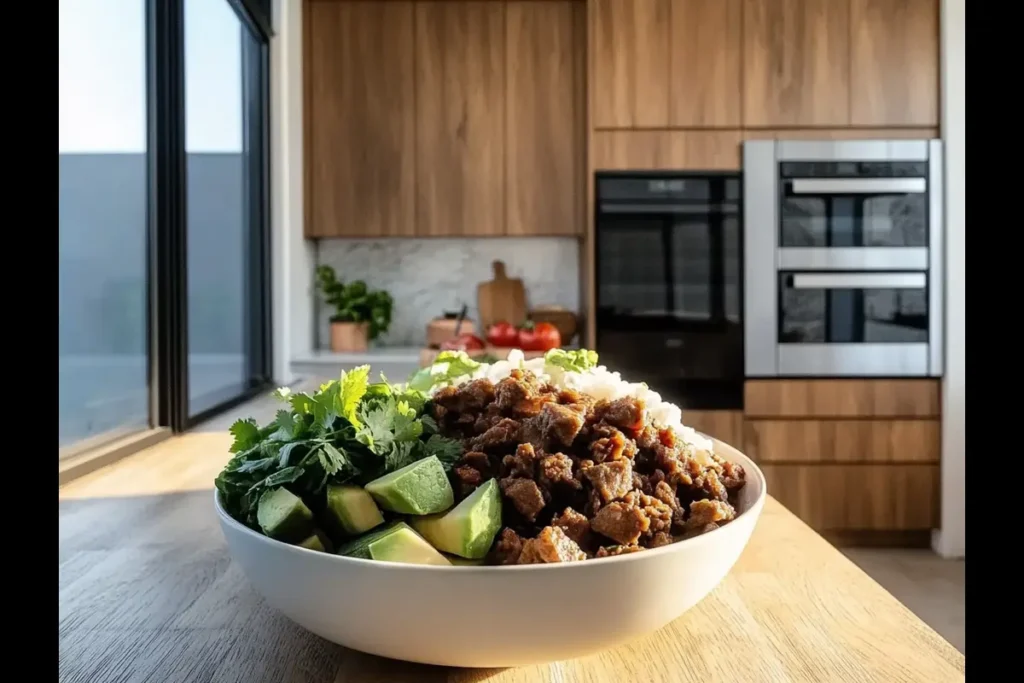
x=349, y=337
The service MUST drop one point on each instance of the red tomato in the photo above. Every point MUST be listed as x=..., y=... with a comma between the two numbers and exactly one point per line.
x=464, y=342
x=503, y=334
x=539, y=337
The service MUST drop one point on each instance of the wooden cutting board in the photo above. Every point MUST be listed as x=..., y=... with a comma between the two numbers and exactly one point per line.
x=500, y=299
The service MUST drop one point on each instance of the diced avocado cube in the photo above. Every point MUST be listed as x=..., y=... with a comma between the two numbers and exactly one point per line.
x=313, y=543
x=282, y=515
x=463, y=562
x=360, y=547
x=350, y=510
x=468, y=529
x=405, y=545
x=421, y=488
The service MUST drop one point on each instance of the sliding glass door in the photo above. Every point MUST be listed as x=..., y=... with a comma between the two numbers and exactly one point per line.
x=225, y=189
x=102, y=265
x=163, y=266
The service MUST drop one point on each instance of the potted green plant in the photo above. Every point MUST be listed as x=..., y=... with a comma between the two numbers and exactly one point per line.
x=360, y=315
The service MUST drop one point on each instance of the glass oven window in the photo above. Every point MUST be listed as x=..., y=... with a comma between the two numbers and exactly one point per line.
x=854, y=221
x=844, y=308
x=631, y=269
x=693, y=256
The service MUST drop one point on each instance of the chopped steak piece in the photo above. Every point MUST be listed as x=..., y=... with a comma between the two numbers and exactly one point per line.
x=522, y=464
x=704, y=512
x=625, y=413
x=664, y=493
x=613, y=550
x=677, y=472
x=557, y=469
x=659, y=539
x=502, y=434
x=468, y=478
x=551, y=545
x=712, y=486
x=575, y=525
x=647, y=438
x=621, y=522
x=566, y=396
x=525, y=496
x=472, y=396
x=612, y=447
x=487, y=419
x=507, y=548
x=733, y=476
x=510, y=391
x=659, y=515
x=611, y=479
x=558, y=424
x=481, y=462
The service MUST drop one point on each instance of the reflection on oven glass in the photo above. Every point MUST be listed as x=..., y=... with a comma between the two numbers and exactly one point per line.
x=804, y=222
x=631, y=270
x=803, y=316
x=895, y=221
x=854, y=221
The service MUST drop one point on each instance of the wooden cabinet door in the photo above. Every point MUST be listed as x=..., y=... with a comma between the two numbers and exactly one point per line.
x=631, y=63
x=894, y=62
x=460, y=118
x=705, y=64
x=796, y=63
x=360, y=121
x=544, y=118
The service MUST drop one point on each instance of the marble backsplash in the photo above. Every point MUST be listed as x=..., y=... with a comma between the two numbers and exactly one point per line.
x=427, y=277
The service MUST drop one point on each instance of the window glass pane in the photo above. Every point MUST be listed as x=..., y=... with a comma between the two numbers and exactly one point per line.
x=219, y=225
x=102, y=340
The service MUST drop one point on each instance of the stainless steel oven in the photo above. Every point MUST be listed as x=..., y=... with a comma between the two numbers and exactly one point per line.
x=843, y=268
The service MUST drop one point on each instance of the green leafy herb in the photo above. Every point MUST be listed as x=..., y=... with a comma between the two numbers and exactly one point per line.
x=347, y=430
x=573, y=361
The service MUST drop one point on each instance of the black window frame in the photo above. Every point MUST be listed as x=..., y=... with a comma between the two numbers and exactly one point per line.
x=168, y=226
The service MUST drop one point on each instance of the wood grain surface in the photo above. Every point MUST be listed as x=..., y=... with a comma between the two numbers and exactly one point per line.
x=147, y=592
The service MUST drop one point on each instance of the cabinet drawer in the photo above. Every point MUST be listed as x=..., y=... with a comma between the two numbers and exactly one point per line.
x=891, y=398
x=862, y=497
x=842, y=441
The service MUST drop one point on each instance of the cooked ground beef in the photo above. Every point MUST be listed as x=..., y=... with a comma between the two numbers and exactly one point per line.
x=551, y=545
x=580, y=477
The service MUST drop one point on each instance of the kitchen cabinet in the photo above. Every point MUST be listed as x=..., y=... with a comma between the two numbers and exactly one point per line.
x=689, y=150
x=460, y=118
x=631, y=60
x=544, y=117
x=861, y=497
x=706, y=57
x=796, y=63
x=894, y=62
x=857, y=459
x=360, y=119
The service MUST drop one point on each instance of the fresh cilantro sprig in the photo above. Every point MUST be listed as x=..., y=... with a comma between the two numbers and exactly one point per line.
x=348, y=430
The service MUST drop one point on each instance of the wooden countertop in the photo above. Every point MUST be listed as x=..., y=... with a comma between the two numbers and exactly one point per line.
x=148, y=593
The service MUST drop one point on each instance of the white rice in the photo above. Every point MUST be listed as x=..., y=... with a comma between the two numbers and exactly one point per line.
x=600, y=383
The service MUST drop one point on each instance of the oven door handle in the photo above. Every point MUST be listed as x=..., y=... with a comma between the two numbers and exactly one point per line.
x=858, y=281
x=819, y=186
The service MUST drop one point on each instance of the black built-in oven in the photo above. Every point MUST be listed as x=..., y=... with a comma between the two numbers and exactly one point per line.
x=668, y=274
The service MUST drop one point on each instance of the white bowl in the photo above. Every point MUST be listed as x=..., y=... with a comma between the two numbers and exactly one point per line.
x=494, y=616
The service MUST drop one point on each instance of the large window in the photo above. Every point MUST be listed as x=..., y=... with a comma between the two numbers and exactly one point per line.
x=223, y=125
x=102, y=160
x=163, y=223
